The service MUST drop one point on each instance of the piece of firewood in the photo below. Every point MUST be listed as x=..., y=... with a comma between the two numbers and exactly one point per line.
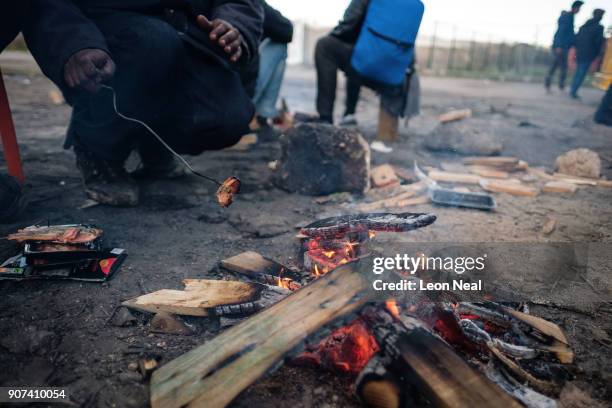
x=581, y=181
x=378, y=387
x=196, y=302
x=559, y=345
x=500, y=163
x=559, y=187
x=509, y=187
x=604, y=183
x=383, y=175
x=386, y=203
x=419, y=356
x=489, y=172
x=449, y=177
x=213, y=374
x=454, y=115
x=259, y=268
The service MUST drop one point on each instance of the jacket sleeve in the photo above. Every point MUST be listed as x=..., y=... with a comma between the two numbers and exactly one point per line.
x=247, y=17
x=56, y=29
x=276, y=26
x=349, y=27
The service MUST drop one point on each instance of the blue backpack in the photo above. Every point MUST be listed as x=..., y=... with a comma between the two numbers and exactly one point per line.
x=385, y=47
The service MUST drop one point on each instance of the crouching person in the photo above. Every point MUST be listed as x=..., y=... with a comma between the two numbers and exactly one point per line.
x=169, y=67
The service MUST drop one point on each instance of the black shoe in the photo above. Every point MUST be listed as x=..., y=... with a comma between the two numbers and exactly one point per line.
x=105, y=181
x=156, y=162
x=266, y=132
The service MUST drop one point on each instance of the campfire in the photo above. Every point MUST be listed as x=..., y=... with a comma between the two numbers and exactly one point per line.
x=446, y=351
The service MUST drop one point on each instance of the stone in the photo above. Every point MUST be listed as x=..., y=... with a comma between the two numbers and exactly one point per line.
x=465, y=137
x=169, y=324
x=123, y=318
x=319, y=159
x=580, y=163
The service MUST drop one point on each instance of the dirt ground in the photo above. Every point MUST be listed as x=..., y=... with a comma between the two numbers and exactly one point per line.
x=60, y=333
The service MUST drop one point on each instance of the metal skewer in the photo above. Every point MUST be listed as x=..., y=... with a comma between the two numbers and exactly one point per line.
x=178, y=156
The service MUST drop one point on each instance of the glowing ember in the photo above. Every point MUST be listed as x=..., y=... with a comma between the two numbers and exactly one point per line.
x=347, y=350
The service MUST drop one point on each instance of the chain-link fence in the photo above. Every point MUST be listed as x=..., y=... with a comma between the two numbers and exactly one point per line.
x=447, y=50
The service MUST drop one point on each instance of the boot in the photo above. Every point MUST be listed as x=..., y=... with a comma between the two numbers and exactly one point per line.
x=105, y=181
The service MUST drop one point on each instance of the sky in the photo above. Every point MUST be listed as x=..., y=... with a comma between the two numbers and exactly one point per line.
x=531, y=21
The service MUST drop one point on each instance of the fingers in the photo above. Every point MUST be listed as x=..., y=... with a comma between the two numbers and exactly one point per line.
x=228, y=38
x=204, y=23
x=88, y=68
x=236, y=56
x=220, y=27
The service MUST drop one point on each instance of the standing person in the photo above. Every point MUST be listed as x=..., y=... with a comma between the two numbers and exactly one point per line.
x=277, y=34
x=589, y=45
x=170, y=65
x=563, y=41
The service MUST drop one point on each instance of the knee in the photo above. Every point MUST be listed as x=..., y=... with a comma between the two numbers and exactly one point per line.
x=323, y=46
x=148, y=45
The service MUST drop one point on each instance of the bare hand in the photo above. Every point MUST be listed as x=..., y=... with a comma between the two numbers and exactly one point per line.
x=88, y=68
x=223, y=34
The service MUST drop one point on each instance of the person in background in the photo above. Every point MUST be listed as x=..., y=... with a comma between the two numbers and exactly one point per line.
x=170, y=64
x=277, y=34
x=334, y=52
x=562, y=42
x=589, y=45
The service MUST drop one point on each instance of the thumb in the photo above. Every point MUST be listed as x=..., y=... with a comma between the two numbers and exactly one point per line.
x=108, y=70
x=204, y=23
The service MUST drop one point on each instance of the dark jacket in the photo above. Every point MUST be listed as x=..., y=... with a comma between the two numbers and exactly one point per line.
x=349, y=27
x=564, y=37
x=589, y=41
x=56, y=29
x=276, y=27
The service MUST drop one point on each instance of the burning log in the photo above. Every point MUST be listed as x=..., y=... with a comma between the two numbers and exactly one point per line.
x=377, y=387
x=262, y=270
x=330, y=228
x=213, y=374
x=424, y=359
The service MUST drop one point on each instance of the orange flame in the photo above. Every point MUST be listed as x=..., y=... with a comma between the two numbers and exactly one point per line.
x=393, y=308
x=371, y=234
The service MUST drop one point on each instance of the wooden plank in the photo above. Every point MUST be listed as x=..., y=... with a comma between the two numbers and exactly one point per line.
x=197, y=298
x=509, y=187
x=581, y=181
x=450, y=177
x=454, y=115
x=559, y=187
x=499, y=162
x=213, y=374
x=257, y=267
x=489, y=172
x=438, y=370
x=394, y=202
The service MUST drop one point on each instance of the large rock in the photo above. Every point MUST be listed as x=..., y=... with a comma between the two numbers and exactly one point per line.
x=321, y=159
x=579, y=162
x=464, y=137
